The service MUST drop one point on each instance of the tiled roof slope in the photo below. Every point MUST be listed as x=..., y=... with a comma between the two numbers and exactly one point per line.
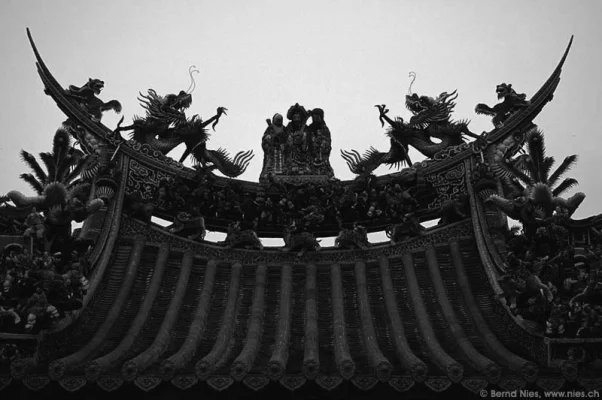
x=164, y=314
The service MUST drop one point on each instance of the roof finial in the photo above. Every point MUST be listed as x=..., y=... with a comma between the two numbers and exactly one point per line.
x=412, y=75
x=192, y=82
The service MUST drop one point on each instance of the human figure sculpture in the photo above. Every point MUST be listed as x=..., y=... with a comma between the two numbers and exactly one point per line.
x=297, y=140
x=273, y=144
x=298, y=149
x=35, y=224
x=320, y=142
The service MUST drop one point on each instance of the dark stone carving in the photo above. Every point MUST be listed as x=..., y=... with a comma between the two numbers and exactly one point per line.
x=431, y=119
x=85, y=96
x=147, y=383
x=591, y=383
x=184, y=382
x=136, y=207
x=45, y=281
x=5, y=381
x=220, y=383
x=146, y=182
x=328, y=382
x=293, y=382
x=449, y=185
x=166, y=126
x=455, y=210
x=320, y=142
x=512, y=102
x=297, y=152
x=131, y=228
x=300, y=242
x=255, y=382
x=188, y=226
x=569, y=370
x=475, y=385
x=313, y=207
x=238, y=238
x=544, y=281
x=551, y=384
x=401, y=384
x=155, y=157
x=364, y=382
x=356, y=238
x=568, y=282
x=109, y=383
x=408, y=228
x=58, y=197
x=438, y=384
x=19, y=368
x=273, y=143
x=72, y=384
x=36, y=383
x=511, y=384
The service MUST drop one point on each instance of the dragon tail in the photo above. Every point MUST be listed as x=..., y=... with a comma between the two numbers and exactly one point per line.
x=232, y=168
x=484, y=109
x=362, y=165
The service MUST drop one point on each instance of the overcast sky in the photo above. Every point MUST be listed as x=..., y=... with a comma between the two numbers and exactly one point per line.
x=260, y=57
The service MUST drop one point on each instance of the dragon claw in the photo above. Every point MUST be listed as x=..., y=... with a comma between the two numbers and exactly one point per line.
x=118, y=129
x=382, y=109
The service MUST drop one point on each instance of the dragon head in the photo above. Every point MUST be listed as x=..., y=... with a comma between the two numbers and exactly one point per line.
x=96, y=85
x=417, y=104
x=179, y=102
x=503, y=90
x=441, y=106
x=169, y=108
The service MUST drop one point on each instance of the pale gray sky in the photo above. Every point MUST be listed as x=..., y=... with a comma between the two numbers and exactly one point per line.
x=259, y=57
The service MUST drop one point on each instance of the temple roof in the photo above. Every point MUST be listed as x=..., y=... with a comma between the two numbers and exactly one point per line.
x=427, y=309
x=426, y=314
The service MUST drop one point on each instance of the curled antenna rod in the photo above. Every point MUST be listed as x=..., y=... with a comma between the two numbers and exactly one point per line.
x=192, y=86
x=412, y=75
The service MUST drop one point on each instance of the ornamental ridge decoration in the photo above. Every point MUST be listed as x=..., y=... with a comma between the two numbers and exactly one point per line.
x=132, y=228
x=327, y=382
x=314, y=140
x=184, y=382
x=299, y=152
x=148, y=151
x=144, y=180
x=448, y=184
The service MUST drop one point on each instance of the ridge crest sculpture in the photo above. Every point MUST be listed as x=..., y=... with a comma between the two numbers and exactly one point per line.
x=86, y=97
x=431, y=119
x=166, y=126
x=297, y=152
x=532, y=293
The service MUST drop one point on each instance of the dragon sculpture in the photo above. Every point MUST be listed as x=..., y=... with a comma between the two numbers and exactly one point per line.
x=431, y=119
x=299, y=241
x=356, y=238
x=188, y=226
x=85, y=96
x=512, y=102
x=239, y=238
x=408, y=228
x=166, y=126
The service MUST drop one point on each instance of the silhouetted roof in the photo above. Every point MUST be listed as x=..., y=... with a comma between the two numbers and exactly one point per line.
x=422, y=314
